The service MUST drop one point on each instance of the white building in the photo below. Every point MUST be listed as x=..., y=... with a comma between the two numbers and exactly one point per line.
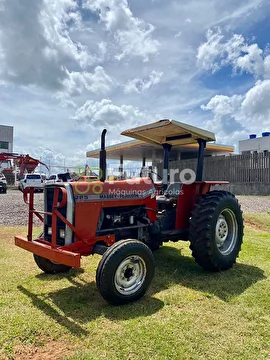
x=6, y=138
x=255, y=144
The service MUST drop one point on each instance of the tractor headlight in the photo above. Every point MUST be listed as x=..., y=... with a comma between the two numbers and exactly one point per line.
x=62, y=233
x=49, y=231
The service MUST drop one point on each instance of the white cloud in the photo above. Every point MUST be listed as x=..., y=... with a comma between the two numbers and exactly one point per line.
x=267, y=67
x=222, y=105
x=226, y=114
x=98, y=82
x=141, y=85
x=105, y=113
x=133, y=35
x=237, y=114
x=252, y=62
x=256, y=105
x=54, y=17
x=108, y=49
x=92, y=146
x=215, y=52
x=178, y=34
x=233, y=114
x=103, y=49
x=218, y=51
x=239, y=12
x=36, y=44
x=96, y=144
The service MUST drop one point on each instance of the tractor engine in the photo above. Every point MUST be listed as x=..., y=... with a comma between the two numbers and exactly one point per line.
x=124, y=222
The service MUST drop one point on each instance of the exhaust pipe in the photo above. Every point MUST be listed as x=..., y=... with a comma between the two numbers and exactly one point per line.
x=102, y=156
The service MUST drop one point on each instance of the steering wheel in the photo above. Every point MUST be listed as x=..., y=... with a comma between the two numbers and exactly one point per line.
x=150, y=171
x=158, y=176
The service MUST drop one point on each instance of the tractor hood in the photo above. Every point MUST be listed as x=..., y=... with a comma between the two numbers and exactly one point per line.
x=169, y=132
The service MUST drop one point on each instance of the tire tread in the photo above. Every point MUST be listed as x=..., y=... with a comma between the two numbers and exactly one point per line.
x=201, y=242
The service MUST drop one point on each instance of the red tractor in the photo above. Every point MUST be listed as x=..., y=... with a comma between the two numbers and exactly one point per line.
x=125, y=220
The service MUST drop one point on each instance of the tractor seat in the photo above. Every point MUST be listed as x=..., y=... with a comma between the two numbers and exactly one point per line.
x=170, y=195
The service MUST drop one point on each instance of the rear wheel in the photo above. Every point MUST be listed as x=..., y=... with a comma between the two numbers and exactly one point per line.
x=50, y=267
x=216, y=230
x=125, y=271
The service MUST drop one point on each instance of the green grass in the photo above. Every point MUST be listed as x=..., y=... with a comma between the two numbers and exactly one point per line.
x=187, y=314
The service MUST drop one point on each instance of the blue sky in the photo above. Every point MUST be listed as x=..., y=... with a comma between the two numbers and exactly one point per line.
x=70, y=68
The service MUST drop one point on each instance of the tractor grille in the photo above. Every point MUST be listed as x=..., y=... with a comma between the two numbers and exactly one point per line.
x=48, y=201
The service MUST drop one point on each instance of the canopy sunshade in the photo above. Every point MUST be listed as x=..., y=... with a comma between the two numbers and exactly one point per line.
x=169, y=132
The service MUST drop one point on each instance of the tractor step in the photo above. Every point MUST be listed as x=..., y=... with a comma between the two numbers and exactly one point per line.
x=174, y=235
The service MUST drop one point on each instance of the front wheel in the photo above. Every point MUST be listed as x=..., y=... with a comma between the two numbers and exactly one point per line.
x=125, y=271
x=50, y=267
x=216, y=230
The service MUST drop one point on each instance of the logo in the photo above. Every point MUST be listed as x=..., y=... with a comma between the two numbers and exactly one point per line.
x=86, y=183
x=90, y=181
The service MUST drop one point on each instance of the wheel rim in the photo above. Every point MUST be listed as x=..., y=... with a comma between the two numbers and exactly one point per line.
x=130, y=275
x=54, y=262
x=226, y=231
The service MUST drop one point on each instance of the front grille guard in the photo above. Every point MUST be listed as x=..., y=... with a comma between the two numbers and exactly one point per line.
x=69, y=254
x=28, y=196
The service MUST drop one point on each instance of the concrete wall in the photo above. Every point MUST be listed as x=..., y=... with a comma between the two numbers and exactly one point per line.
x=246, y=188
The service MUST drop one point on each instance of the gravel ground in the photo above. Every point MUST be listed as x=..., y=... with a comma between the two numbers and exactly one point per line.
x=13, y=210
x=254, y=204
